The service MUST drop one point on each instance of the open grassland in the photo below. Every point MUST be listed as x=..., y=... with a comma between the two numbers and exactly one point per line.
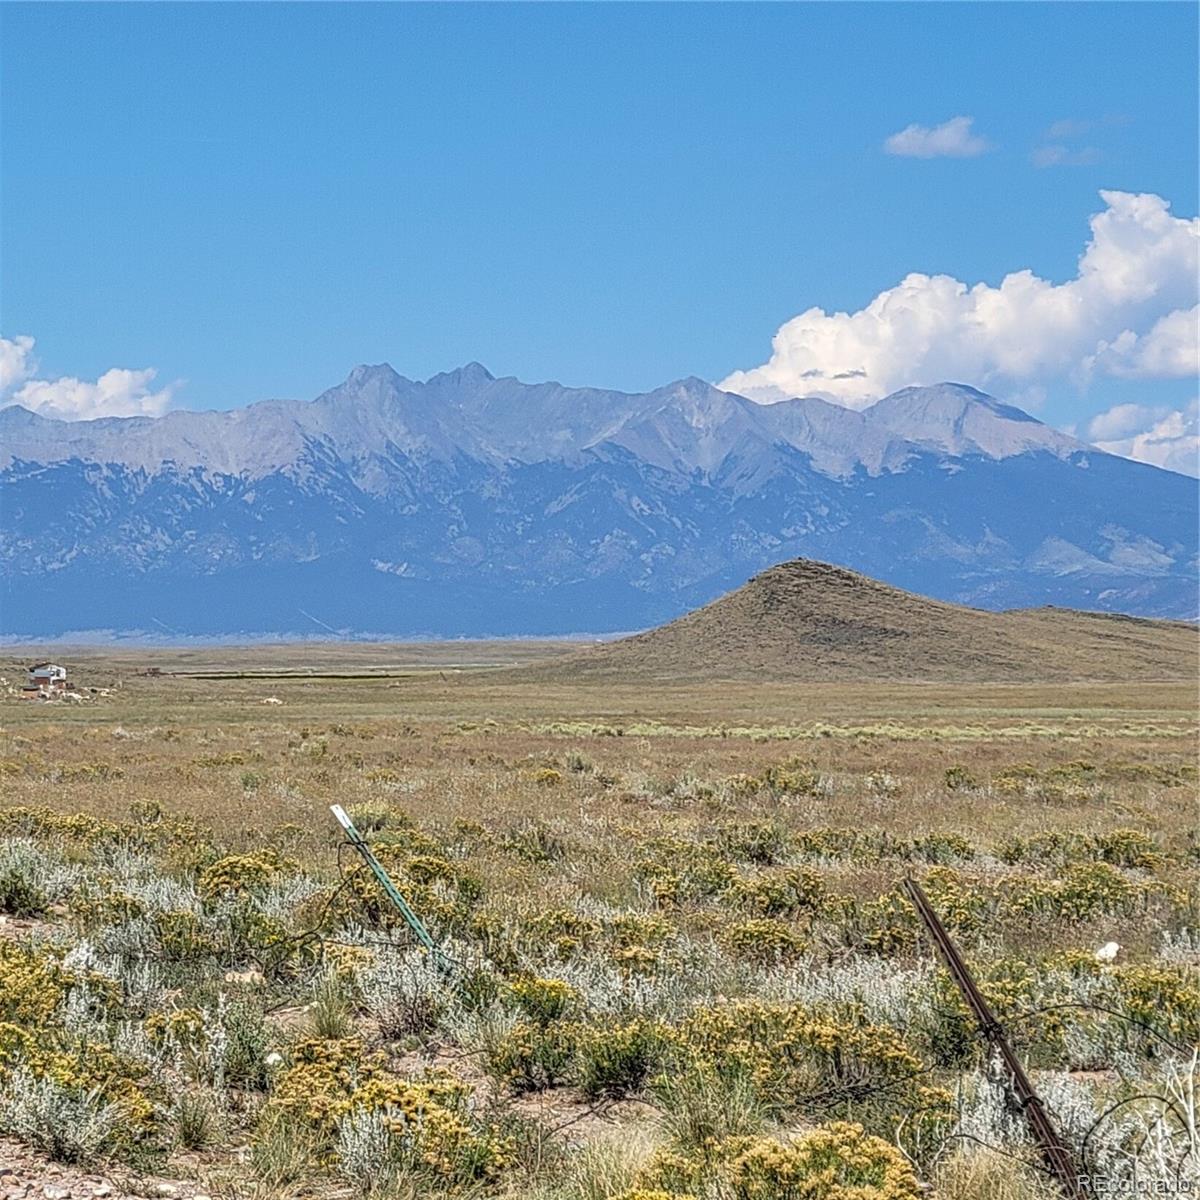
x=678, y=963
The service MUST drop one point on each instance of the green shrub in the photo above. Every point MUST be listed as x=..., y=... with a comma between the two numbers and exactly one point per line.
x=534, y=841
x=959, y=779
x=782, y=892
x=764, y=940
x=763, y=842
x=617, y=1060
x=543, y=1000
x=530, y=1057
x=19, y=895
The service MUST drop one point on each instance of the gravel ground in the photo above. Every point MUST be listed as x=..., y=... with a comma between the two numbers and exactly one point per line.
x=26, y=1175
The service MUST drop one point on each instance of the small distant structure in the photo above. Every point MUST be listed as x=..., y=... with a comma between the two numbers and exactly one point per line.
x=46, y=679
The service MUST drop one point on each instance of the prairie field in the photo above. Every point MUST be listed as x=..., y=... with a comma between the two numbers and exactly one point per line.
x=673, y=958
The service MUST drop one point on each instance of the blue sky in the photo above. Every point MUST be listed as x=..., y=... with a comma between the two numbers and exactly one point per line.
x=253, y=199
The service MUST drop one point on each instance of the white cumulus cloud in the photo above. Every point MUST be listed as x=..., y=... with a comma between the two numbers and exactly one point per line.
x=119, y=392
x=1069, y=127
x=1055, y=154
x=1056, y=149
x=951, y=139
x=1129, y=311
x=1171, y=347
x=1161, y=436
x=16, y=361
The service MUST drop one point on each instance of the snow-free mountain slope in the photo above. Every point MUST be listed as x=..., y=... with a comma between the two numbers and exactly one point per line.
x=957, y=420
x=467, y=504
x=805, y=620
x=688, y=425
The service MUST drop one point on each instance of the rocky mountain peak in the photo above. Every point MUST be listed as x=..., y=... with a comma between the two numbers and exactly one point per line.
x=957, y=419
x=373, y=373
x=469, y=375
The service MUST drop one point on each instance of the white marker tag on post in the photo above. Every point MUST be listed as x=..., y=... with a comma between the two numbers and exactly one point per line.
x=340, y=814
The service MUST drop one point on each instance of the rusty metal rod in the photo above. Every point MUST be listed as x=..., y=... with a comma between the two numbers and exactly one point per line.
x=1058, y=1157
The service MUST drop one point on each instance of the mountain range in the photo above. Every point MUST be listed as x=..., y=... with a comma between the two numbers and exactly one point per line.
x=467, y=505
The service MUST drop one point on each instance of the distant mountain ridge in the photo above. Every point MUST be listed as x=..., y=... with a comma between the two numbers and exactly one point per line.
x=688, y=425
x=471, y=505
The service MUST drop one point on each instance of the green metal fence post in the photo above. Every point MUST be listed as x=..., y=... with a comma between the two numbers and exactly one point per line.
x=392, y=892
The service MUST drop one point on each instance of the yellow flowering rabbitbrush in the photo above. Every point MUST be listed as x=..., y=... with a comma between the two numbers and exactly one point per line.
x=836, y=1161
x=789, y=1053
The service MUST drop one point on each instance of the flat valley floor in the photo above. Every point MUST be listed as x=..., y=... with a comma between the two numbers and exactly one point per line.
x=680, y=962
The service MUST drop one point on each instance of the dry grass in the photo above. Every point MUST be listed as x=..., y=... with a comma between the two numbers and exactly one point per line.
x=995, y=1176
x=548, y=792
x=451, y=746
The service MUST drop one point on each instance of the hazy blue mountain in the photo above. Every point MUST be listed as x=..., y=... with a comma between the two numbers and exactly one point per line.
x=469, y=505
